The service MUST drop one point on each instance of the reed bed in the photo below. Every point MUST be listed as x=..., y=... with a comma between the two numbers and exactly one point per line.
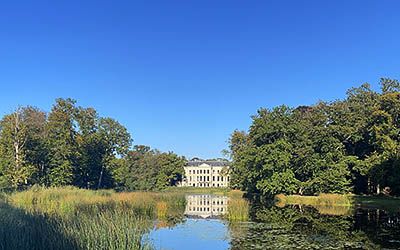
x=70, y=200
x=72, y=218
x=235, y=194
x=238, y=210
x=320, y=200
x=107, y=230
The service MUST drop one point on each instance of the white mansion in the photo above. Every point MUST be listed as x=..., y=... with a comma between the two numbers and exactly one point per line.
x=206, y=173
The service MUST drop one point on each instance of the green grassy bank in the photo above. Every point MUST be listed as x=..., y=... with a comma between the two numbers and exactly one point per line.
x=340, y=200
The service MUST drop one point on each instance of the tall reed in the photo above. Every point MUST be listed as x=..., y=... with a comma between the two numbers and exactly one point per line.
x=72, y=218
x=238, y=210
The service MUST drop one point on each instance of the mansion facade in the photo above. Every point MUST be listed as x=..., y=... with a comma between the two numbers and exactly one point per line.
x=206, y=173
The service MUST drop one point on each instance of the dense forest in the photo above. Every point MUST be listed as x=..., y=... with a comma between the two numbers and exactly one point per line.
x=350, y=145
x=73, y=145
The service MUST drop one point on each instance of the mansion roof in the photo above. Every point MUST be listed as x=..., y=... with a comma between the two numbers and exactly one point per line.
x=210, y=163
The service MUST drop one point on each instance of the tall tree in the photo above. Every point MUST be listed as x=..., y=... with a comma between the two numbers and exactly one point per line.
x=62, y=142
x=146, y=169
x=116, y=142
x=342, y=146
x=22, y=154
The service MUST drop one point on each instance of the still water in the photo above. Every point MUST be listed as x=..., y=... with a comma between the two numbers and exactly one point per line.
x=205, y=226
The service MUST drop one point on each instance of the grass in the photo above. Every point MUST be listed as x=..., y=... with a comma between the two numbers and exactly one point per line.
x=238, y=210
x=72, y=218
x=105, y=230
x=320, y=200
x=70, y=200
x=329, y=204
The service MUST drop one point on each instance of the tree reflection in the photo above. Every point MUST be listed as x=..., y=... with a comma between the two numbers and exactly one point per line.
x=300, y=227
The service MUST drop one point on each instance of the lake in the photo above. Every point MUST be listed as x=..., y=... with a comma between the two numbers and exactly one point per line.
x=268, y=226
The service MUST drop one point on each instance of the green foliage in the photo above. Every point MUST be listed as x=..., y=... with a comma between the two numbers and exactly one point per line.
x=338, y=147
x=279, y=182
x=73, y=145
x=146, y=169
x=20, y=144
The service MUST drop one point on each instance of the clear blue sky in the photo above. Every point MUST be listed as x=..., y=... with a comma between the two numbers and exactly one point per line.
x=182, y=75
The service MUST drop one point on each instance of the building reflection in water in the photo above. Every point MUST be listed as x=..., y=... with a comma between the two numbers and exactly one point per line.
x=205, y=206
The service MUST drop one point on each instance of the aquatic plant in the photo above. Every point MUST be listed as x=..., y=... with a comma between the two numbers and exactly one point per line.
x=238, y=210
x=72, y=218
x=162, y=209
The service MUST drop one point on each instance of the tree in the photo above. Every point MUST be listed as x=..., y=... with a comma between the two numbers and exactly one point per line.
x=338, y=147
x=62, y=142
x=116, y=143
x=389, y=85
x=71, y=145
x=171, y=170
x=146, y=169
x=13, y=149
x=22, y=151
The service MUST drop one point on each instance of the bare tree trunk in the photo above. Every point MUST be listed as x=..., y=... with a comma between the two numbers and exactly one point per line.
x=369, y=185
x=377, y=217
x=101, y=177
x=87, y=181
x=19, y=140
x=16, y=140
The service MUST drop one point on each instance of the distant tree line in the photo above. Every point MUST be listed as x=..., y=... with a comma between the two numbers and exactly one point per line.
x=73, y=145
x=350, y=145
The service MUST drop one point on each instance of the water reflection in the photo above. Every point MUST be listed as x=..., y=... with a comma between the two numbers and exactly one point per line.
x=302, y=227
x=208, y=225
x=206, y=206
x=202, y=229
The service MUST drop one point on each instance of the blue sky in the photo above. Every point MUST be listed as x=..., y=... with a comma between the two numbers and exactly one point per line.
x=182, y=75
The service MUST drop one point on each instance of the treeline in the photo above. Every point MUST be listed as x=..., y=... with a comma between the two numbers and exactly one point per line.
x=350, y=145
x=73, y=145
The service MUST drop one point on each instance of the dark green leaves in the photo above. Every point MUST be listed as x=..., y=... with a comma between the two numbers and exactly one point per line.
x=339, y=147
